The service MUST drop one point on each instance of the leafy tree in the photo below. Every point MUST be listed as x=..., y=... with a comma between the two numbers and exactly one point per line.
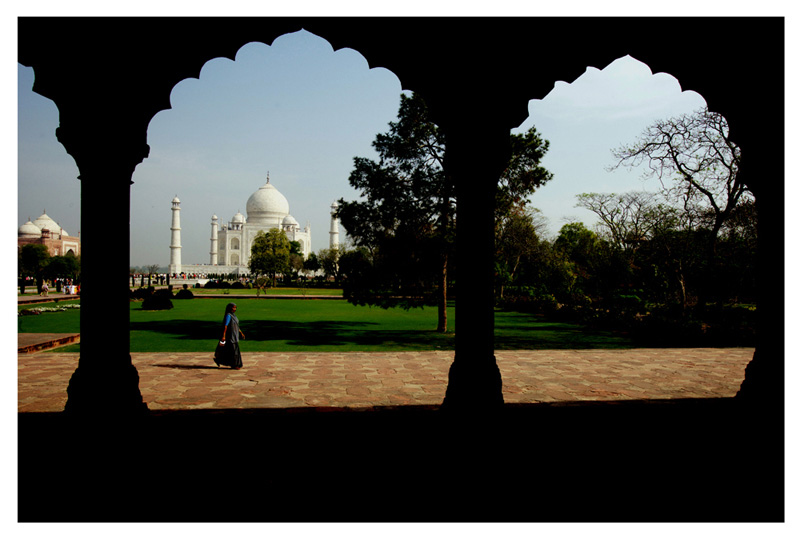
x=295, y=262
x=329, y=262
x=67, y=266
x=269, y=254
x=600, y=270
x=517, y=240
x=673, y=265
x=742, y=223
x=295, y=259
x=695, y=152
x=33, y=259
x=357, y=271
x=406, y=220
x=409, y=204
x=523, y=174
x=311, y=264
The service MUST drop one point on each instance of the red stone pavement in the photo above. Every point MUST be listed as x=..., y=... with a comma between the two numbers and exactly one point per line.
x=366, y=379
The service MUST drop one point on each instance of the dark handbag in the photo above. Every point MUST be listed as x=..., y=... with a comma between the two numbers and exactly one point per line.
x=219, y=353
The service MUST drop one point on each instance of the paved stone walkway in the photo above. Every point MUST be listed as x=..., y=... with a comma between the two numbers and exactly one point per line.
x=362, y=380
x=36, y=342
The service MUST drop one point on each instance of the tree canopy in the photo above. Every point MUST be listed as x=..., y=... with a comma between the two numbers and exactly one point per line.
x=695, y=160
x=33, y=258
x=405, y=221
x=270, y=254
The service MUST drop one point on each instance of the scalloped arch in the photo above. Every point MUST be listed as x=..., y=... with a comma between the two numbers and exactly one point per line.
x=231, y=49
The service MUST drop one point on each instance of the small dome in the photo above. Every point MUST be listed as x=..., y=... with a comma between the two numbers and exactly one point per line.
x=214, y=218
x=267, y=206
x=176, y=200
x=238, y=218
x=29, y=230
x=45, y=222
x=290, y=221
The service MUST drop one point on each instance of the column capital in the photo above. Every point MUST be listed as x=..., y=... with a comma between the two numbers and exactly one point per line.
x=99, y=150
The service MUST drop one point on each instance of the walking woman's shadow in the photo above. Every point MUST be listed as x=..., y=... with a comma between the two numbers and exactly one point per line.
x=187, y=367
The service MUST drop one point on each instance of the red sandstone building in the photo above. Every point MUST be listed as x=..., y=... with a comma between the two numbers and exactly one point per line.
x=47, y=232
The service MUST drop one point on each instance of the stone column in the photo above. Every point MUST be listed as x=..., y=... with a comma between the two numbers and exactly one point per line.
x=477, y=153
x=764, y=383
x=334, y=232
x=105, y=383
x=214, y=240
x=175, y=239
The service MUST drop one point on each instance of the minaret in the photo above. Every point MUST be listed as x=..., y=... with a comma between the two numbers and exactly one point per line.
x=175, y=244
x=214, y=240
x=334, y=226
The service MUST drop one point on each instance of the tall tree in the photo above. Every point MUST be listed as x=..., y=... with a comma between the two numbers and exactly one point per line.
x=66, y=266
x=517, y=240
x=406, y=220
x=33, y=260
x=629, y=218
x=695, y=152
x=523, y=174
x=311, y=264
x=269, y=254
x=328, y=260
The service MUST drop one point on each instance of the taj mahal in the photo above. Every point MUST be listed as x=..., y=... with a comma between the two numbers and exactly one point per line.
x=229, y=252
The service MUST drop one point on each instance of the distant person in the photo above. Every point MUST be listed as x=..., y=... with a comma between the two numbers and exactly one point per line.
x=227, y=352
x=45, y=289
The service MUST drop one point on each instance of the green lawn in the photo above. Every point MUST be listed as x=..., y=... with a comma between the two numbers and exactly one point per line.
x=318, y=325
x=53, y=322
x=268, y=292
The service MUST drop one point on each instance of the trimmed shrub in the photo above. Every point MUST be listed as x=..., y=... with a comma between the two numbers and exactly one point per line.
x=184, y=294
x=158, y=301
x=140, y=293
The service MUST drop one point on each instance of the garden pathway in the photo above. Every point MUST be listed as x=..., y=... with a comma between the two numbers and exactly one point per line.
x=365, y=380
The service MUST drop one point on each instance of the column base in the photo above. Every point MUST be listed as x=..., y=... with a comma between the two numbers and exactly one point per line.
x=763, y=382
x=105, y=391
x=474, y=387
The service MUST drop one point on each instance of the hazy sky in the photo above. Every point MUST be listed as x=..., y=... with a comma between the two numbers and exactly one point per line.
x=301, y=112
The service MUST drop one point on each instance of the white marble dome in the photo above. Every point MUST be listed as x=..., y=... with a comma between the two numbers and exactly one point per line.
x=45, y=222
x=267, y=206
x=238, y=218
x=29, y=230
x=290, y=221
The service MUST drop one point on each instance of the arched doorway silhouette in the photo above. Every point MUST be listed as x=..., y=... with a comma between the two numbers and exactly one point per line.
x=460, y=74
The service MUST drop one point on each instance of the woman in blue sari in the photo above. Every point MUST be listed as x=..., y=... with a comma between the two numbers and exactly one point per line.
x=228, y=349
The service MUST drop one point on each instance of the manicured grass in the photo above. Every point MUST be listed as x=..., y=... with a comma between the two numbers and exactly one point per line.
x=50, y=322
x=524, y=331
x=268, y=292
x=320, y=325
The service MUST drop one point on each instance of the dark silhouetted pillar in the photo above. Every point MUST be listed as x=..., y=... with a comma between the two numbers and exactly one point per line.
x=477, y=153
x=105, y=382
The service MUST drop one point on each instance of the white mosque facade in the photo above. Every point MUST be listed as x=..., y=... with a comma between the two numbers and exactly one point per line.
x=229, y=252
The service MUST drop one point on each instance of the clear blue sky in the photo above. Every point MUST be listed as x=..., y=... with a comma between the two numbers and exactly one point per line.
x=301, y=112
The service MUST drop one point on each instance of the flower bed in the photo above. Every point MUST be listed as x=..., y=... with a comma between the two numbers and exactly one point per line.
x=40, y=310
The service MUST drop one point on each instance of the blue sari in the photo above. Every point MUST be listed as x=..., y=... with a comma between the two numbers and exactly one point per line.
x=229, y=354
